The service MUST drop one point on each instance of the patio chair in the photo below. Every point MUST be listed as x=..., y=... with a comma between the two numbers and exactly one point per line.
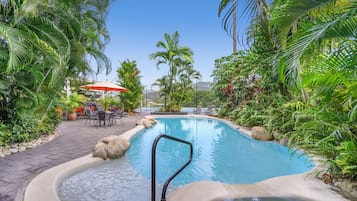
x=105, y=117
x=111, y=118
x=101, y=118
x=90, y=116
x=198, y=110
x=117, y=115
x=209, y=110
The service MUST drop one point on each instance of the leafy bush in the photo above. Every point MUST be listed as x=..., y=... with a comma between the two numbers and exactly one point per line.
x=73, y=101
x=247, y=115
x=346, y=159
x=109, y=101
x=28, y=127
x=128, y=75
x=5, y=135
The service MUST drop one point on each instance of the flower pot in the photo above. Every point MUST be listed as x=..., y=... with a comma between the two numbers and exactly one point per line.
x=72, y=116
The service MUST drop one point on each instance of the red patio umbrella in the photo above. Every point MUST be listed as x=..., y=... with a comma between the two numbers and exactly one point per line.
x=104, y=86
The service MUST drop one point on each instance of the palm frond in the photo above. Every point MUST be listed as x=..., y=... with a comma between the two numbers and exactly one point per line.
x=69, y=24
x=17, y=43
x=48, y=32
x=291, y=11
x=251, y=8
x=323, y=31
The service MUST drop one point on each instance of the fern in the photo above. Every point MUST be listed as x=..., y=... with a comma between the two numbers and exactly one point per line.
x=347, y=158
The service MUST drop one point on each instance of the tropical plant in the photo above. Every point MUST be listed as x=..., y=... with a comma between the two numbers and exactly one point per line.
x=254, y=10
x=5, y=135
x=185, y=85
x=310, y=46
x=109, y=102
x=346, y=159
x=248, y=73
x=202, y=98
x=41, y=44
x=319, y=32
x=73, y=101
x=163, y=84
x=128, y=75
x=229, y=27
x=179, y=60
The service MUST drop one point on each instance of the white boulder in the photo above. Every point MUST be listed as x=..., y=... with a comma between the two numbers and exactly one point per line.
x=111, y=147
x=260, y=133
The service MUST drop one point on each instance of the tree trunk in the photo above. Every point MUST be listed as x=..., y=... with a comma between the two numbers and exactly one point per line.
x=234, y=26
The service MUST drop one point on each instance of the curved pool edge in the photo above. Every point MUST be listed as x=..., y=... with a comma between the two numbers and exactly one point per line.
x=303, y=187
x=44, y=187
x=242, y=129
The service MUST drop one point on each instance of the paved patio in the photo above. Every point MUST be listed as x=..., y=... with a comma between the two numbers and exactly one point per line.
x=74, y=140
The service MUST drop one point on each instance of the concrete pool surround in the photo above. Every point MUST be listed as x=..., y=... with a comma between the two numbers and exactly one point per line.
x=305, y=187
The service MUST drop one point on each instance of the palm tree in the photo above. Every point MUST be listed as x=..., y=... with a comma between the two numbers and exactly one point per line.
x=252, y=9
x=229, y=28
x=172, y=55
x=186, y=76
x=162, y=83
x=42, y=43
x=316, y=33
x=33, y=48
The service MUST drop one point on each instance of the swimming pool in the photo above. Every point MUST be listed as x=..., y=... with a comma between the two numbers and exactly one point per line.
x=221, y=153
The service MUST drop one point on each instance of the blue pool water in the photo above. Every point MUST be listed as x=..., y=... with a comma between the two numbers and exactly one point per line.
x=221, y=153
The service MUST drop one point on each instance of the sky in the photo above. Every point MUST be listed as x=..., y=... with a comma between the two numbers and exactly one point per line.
x=135, y=27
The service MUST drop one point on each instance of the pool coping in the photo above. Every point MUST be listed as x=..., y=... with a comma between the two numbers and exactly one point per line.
x=304, y=186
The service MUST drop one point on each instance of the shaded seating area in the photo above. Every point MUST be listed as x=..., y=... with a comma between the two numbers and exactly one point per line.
x=100, y=118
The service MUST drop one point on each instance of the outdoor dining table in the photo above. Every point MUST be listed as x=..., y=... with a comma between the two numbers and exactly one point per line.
x=104, y=117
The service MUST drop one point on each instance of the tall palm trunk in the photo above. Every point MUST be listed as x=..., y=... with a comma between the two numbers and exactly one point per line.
x=171, y=86
x=234, y=26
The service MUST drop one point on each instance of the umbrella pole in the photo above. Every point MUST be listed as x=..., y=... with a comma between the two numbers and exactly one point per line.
x=105, y=104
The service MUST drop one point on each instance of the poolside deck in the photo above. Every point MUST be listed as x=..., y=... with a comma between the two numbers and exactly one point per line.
x=74, y=140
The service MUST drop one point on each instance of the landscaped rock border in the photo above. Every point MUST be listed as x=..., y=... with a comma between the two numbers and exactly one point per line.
x=111, y=147
x=261, y=133
x=347, y=188
x=147, y=121
x=20, y=147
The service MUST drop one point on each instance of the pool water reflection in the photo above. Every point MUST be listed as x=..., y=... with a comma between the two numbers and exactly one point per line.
x=221, y=153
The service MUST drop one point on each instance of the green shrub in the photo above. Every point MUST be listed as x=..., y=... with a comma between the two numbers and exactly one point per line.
x=346, y=159
x=5, y=135
x=28, y=127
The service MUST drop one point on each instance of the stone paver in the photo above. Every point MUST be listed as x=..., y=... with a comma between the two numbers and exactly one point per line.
x=74, y=140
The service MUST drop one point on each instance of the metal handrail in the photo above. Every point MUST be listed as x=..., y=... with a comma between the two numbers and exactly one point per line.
x=153, y=166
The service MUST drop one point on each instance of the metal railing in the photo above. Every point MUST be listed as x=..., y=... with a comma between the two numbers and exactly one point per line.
x=153, y=166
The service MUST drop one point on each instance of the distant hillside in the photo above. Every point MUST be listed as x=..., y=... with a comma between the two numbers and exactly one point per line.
x=204, y=86
x=152, y=95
